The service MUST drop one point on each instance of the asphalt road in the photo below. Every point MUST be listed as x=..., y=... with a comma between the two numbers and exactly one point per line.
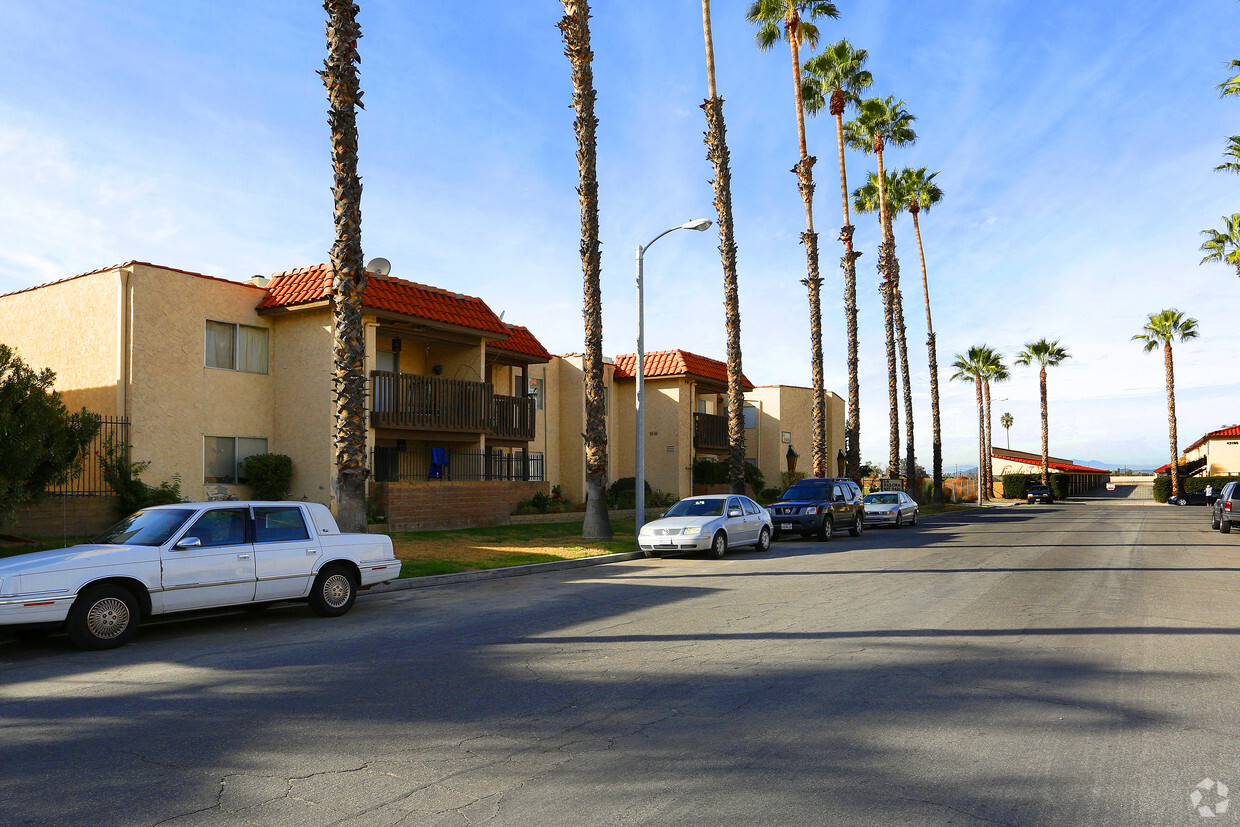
x=1072, y=664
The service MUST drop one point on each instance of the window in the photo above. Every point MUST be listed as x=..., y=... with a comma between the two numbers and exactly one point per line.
x=536, y=391
x=751, y=416
x=222, y=527
x=222, y=455
x=236, y=347
x=387, y=360
x=750, y=506
x=277, y=524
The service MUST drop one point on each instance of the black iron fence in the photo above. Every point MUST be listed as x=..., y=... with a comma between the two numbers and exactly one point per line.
x=391, y=464
x=89, y=481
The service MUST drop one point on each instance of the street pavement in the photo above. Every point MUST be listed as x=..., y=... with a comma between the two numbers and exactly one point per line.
x=1071, y=664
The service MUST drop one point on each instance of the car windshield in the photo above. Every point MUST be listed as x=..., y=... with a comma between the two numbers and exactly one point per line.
x=881, y=499
x=807, y=491
x=146, y=528
x=696, y=508
x=1038, y=489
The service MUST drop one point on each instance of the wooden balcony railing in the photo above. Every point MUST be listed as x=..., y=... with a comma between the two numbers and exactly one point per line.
x=431, y=403
x=710, y=431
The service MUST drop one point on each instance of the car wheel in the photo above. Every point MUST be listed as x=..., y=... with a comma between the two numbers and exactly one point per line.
x=103, y=617
x=1214, y=522
x=1224, y=526
x=899, y=520
x=775, y=535
x=826, y=529
x=858, y=526
x=718, y=546
x=1180, y=501
x=913, y=519
x=334, y=591
x=764, y=540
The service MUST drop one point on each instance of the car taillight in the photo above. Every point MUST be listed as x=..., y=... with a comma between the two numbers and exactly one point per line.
x=1227, y=506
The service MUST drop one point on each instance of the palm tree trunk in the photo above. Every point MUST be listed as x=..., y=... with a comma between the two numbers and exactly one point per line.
x=988, y=489
x=910, y=459
x=936, y=494
x=349, y=274
x=852, y=423
x=1046, y=431
x=981, y=434
x=575, y=27
x=1175, y=441
x=717, y=153
x=893, y=432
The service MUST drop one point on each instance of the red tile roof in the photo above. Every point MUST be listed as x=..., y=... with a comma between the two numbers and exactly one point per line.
x=676, y=363
x=1056, y=466
x=1221, y=433
x=130, y=263
x=312, y=284
x=523, y=342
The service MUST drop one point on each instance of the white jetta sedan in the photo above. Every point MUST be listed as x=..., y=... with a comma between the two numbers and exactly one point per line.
x=174, y=558
x=712, y=523
x=893, y=508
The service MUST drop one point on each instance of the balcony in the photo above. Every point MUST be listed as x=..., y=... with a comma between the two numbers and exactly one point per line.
x=710, y=432
x=430, y=403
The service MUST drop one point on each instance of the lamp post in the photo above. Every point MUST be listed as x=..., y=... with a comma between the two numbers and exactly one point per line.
x=639, y=475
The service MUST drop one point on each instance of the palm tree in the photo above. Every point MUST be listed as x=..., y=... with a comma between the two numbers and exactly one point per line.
x=882, y=121
x=867, y=201
x=994, y=371
x=349, y=274
x=922, y=194
x=1007, y=422
x=1162, y=329
x=786, y=20
x=835, y=79
x=1233, y=153
x=1231, y=86
x=970, y=368
x=1223, y=247
x=575, y=27
x=1047, y=355
x=717, y=153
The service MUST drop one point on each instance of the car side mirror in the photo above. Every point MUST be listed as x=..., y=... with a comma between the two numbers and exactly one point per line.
x=189, y=542
x=734, y=512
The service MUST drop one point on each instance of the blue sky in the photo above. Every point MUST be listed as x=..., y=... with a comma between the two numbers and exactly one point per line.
x=1076, y=144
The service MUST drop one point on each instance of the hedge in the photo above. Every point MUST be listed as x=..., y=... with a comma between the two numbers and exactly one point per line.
x=1162, y=485
x=1015, y=486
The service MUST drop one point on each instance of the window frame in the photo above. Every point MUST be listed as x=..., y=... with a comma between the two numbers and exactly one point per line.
x=236, y=459
x=236, y=347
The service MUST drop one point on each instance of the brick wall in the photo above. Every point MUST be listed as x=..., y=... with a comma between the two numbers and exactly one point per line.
x=412, y=506
x=58, y=516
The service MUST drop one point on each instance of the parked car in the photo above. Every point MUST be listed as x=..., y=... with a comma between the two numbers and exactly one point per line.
x=173, y=558
x=819, y=507
x=1039, y=494
x=1192, y=498
x=1227, y=507
x=712, y=523
x=890, y=508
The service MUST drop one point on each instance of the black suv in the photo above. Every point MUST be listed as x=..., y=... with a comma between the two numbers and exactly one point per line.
x=819, y=507
x=1039, y=494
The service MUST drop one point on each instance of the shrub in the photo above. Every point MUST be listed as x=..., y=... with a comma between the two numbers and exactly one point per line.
x=628, y=484
x=787, y=479
x=375, y=510
x=768, y=495
x=123, y=476
x=270, y=476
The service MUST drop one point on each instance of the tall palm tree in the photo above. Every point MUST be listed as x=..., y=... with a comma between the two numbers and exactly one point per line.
x=349, y=274
x=994, y=371
x=1232, y=153
x=1046, y=355
x=1007, y=422
x=867, y=201
x=717, y=153
x=922, y=194
x=575, y=27
x=969, y=368
x=1223, y=247
x=882, y=121
x=1162, y=329
x=835, y=79
x=792, y=20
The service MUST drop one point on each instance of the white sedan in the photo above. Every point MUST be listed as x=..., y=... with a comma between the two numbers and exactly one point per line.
x=891, y=507
x=712, y=523
x=173, y=558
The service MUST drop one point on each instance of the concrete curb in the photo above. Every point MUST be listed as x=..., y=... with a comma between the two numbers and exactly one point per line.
x=496, y=574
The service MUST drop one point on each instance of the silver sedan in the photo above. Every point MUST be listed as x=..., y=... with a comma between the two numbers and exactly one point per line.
x=890, y=508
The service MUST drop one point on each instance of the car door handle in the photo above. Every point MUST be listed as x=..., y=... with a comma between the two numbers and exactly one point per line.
x=312, y=551
x=243, y=557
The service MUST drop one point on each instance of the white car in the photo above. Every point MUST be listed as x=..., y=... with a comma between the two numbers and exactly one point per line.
x=892, y=507
x=712, y=523
x=173, y=558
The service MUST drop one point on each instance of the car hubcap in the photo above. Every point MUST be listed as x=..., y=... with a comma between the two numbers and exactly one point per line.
x=336, y=590
x=108, y=618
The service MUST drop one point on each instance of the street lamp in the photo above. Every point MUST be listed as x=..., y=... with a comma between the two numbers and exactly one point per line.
x=639, y=493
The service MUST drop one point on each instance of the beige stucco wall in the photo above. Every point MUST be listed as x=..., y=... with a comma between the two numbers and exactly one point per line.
x=791, y=408
x=1222, y=455
x=71, y=327
x=174, y=400
x=301, y=365
x=560, y=425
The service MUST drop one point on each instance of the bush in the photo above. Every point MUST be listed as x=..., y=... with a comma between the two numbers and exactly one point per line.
x=707, y=471
x=123, y=476
x=1162, y=485
x=628, y=484
x=270, y=476
x=1016, y=486
x=787, y=479
x=768, y=495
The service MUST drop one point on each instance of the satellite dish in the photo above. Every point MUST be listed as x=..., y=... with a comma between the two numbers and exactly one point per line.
x=380, y=266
